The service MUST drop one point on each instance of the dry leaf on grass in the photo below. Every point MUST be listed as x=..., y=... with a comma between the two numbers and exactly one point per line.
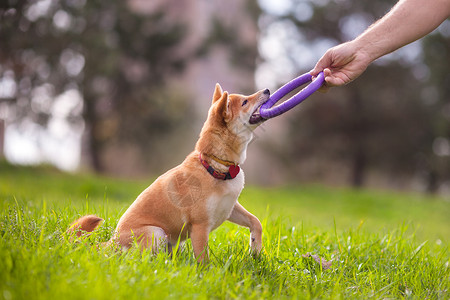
x=325, y=264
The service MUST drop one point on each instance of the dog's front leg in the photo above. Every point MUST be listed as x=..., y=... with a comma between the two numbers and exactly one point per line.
x=241, y=216
x=199, y=237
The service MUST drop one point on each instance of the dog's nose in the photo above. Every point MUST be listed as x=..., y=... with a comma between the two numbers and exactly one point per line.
x=266, y=91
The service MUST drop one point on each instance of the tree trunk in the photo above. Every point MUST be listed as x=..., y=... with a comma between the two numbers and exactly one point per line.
x=359, y=165
x=2, y=138
x=357, y=133
x=432, y=182
x=92, y=128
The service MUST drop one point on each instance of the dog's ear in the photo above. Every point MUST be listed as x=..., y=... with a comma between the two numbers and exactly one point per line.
x=223, y=107
x=217, y=93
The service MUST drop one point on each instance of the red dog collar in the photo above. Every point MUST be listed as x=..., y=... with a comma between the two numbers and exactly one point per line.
x=233, y=170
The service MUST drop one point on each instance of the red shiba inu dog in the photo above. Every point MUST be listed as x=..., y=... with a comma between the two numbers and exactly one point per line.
x=197, y=196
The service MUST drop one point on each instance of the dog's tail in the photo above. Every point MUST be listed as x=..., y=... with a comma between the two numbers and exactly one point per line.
x=84, y=224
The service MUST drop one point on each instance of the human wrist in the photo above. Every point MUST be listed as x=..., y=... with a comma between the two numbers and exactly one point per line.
x=366, y=50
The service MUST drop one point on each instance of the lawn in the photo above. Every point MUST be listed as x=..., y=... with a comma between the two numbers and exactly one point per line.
x=381, y=244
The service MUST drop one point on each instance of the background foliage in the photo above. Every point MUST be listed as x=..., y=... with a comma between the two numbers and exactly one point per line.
x=391, y=127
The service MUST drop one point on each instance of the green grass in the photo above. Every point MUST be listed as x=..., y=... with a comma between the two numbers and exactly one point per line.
x=383, y=244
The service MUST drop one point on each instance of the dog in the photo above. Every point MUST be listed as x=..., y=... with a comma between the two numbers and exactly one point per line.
x=194, y=198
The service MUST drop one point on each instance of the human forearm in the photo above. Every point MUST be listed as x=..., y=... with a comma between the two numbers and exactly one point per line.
x=408, y=21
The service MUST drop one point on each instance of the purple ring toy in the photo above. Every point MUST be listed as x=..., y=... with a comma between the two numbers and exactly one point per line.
x=268, y=111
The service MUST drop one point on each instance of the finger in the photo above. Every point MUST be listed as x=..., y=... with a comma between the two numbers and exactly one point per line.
x=323, y=63
x=327, y=72
x=314, y=72
x=332, y=81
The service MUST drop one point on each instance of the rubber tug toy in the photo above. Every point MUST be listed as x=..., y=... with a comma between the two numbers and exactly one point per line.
x=268, y=110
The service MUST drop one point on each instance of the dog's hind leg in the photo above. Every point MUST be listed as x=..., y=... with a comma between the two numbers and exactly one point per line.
x=152, y=237
x=147, y=237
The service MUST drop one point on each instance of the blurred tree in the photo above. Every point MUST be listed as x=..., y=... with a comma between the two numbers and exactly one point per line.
x=436, y=96
x=2, y=137
x=379, y=123
x=116, y=58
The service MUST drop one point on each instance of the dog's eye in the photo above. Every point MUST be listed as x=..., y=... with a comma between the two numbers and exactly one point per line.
x=244, y=102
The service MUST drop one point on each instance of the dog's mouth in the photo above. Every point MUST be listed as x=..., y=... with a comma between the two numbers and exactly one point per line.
x=256, y=118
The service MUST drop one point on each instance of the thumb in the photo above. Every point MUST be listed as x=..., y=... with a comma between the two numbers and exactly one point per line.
x=317, y=69
x=324, y=62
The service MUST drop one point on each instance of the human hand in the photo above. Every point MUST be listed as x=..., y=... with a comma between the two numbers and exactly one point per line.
x=341, y=65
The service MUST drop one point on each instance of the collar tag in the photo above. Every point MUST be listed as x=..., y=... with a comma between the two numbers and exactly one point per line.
x=233, y=170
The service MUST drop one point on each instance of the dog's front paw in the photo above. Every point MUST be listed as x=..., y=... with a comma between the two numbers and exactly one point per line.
x=255, y=245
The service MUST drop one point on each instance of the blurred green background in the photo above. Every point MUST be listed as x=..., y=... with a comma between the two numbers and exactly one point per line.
x=122, y=88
